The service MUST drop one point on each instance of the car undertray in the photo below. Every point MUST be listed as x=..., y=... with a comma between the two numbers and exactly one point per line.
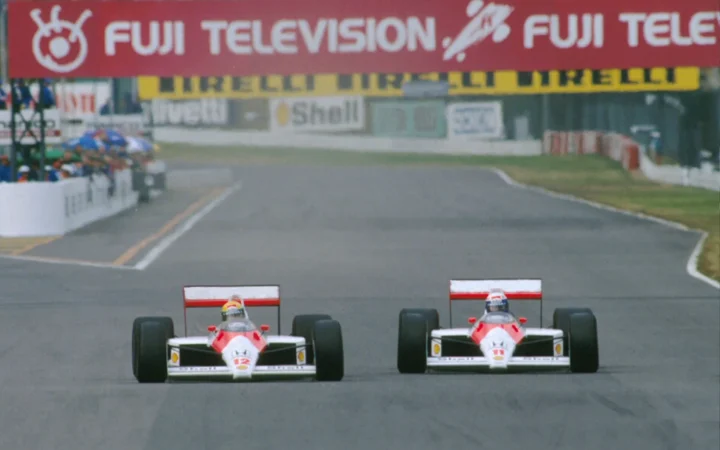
x=204, y=356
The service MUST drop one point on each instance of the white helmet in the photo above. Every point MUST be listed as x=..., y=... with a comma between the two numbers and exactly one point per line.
x=496, y=301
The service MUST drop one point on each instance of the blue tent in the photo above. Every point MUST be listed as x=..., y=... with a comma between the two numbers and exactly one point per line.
x=86, y=142
x=137, y=144
x=110, y=137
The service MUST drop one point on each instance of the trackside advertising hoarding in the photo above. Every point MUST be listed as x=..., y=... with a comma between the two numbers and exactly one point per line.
x=317, y=114
x=30, y=135
x=475, y=121
x=392, y=84
x=410, y=118
x=208, y=38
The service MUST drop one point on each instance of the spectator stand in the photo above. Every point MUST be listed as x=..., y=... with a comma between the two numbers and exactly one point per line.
x=50, y=191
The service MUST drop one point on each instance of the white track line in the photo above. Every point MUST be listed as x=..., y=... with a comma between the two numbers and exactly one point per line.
x=66, y=262
x=691, y=266
x=165, y=243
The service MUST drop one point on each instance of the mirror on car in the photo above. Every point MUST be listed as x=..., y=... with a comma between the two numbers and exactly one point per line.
x=212, y=328
x=523, y=320
x=472, y=320
x=265, y=327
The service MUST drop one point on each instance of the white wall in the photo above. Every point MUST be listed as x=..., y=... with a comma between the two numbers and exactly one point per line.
x=678, y=175
x=52, y=209
x=348, y=143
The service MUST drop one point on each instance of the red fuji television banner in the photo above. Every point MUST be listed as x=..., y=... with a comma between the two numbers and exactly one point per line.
x=282, y=37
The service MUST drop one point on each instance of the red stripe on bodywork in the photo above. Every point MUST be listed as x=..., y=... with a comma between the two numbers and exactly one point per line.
x=223, y=338
x=483, y=329
x=483, y=295
x=218, y=302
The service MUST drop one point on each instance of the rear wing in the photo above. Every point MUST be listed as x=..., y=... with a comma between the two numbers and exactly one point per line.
x=513, y=288
x=217, y=296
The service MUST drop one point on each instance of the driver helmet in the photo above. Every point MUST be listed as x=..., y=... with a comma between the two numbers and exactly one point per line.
x=233, y=309
x=496, y=301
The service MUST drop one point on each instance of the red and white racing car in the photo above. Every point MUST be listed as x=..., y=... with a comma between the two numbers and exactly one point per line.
x=497, y=341
x=237, y=350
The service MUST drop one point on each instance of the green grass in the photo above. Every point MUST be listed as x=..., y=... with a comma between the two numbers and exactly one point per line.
x=589, y=177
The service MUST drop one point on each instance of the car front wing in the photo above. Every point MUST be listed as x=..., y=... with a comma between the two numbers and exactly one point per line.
x=224, y=373
x=480, y=363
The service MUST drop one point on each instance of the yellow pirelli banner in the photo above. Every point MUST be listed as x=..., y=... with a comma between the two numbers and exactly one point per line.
x=391, y=85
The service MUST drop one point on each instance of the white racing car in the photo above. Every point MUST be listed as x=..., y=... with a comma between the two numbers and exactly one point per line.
x=236, y=350
x=498, y=341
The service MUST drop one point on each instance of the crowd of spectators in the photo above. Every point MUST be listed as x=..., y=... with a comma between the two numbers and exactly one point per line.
x=92, y=155
x=73, y=163
x=76, y=162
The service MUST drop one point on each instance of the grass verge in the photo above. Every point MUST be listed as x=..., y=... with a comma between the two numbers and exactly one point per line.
x=590, y=177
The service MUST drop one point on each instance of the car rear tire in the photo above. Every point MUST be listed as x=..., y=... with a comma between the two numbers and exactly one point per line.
x=328, y=348
x=561, y=321
x=302, y=326
x=167, y=322
x=152, y=352
x=584, y=354
x=413, y=343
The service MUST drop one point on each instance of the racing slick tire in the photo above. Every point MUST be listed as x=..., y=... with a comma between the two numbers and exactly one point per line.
x=432, y=316
x=302, y=326
x=328, y=348
x=561, y=321
x=152, y=352
x=167, y=323
x=412, y=344
x=584, y=355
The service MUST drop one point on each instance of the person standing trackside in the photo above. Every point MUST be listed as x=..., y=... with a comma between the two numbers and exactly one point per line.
x=21, y=94
x=4, y=169
x=47, y=97
x=3, y=98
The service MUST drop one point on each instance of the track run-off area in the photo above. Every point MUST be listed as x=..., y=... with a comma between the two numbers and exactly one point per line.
x=361, y=243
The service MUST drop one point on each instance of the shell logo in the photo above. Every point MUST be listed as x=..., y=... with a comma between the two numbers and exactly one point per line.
x=174, y=357
x=282, y=114
x=558, y=349
x=436, y=348
x=301, y=356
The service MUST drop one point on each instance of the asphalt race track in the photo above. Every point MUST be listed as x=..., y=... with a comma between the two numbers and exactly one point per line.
x=360, y=243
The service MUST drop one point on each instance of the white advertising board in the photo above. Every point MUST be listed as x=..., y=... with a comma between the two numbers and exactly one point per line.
x=53, y=128
x=317, y=114
x=128, y=124
x=79, y=101
x=55, y=208
x=475, y=121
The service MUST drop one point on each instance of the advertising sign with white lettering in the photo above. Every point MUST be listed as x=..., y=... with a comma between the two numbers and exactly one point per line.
x=116, y=38
x=203, y=113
